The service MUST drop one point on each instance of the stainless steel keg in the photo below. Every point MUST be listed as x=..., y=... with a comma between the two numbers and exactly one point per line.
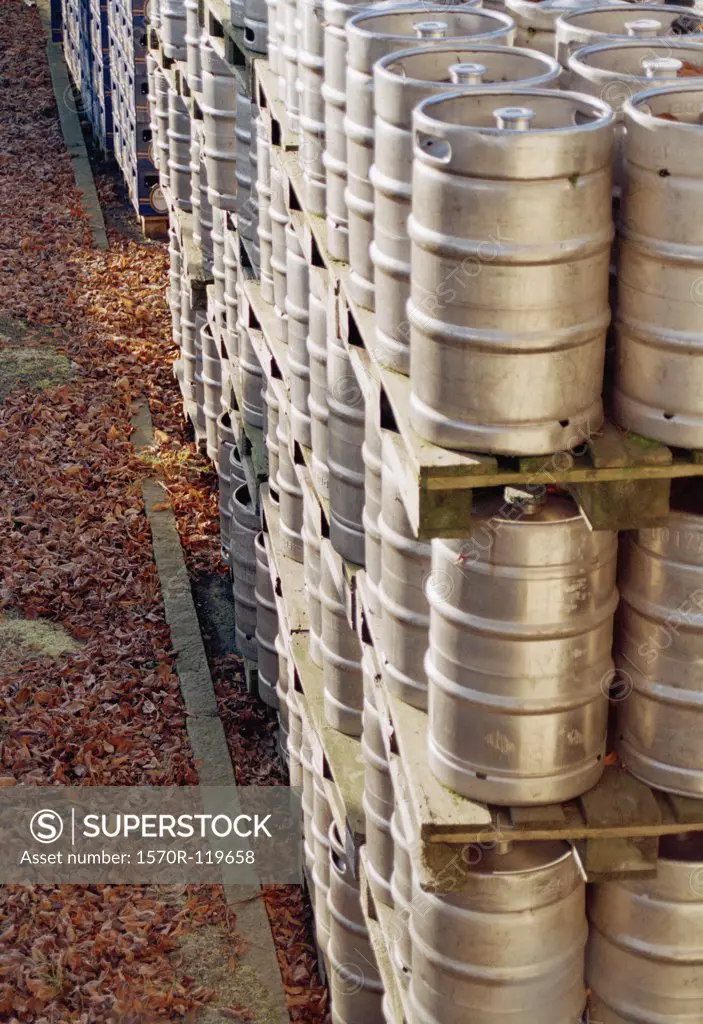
x=307, y=808
x=212, y=388
x=401, y=81
x=224, y=475
x=659, y=313
x=246, y=196
x=317, y=359
x=405, y=612
x=272, y=405
x=321, y=824
x=312, y=538
x=235, y=471
x=188, y=336
x=256, y=25
x=295, y=735
x=371, y=35
x=202, y=210
x=280, y=28
x=154, y=13
x=660, y=651
x=298, y=316
x=198, y=390
x=583, y=27
x=402, y=895
x=645, y=951
x=195, y=142
x=511, y=943
x=511, y=228
x=290, y=494
x=263, y=192
x=219, y=227
x=615, y=72
x=151, y=69
x=192, y=41
x=535, y=23
x=519, y=659
x=334, y=157
x=230, y=333
x=355, y=984
x=279, y=219
x=336, y=14
x=378, y=799
x=266, y=626
x=290, y=63
x=175, y=271
x=282, y=652
x=245, y=526
x=340, y=649
x=219, y=109
x=273, y=43
x=371, y=455
x=345, y=438
x=161, y=149
x=172, y=28
x=311, y=73
x=251, y=375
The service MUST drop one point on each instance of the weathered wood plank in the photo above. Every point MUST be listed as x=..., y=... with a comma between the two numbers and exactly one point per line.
x=619, y=799
x=620, y=857
x=549, y=814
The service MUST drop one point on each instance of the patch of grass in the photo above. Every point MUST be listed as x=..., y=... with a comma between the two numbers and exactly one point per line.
x=24, y=639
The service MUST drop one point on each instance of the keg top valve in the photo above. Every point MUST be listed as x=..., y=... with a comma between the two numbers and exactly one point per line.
x=467, y=74
x=529, y=500
x=514, y=119
x=643, y=28
x=431, y=29
x=662, y=67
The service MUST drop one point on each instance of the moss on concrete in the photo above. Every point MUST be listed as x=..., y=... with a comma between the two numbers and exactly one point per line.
x=204, y=955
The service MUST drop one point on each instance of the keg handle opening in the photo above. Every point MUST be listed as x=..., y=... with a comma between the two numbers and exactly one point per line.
x=643, y=28
x=662, y=67
x=437, y=150
x=431, y=29
x=467, y=74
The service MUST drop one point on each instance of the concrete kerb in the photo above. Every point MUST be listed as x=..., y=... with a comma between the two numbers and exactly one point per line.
x=72, y=132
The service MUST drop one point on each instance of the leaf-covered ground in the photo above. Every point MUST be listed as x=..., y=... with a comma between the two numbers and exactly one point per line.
x=87, y=335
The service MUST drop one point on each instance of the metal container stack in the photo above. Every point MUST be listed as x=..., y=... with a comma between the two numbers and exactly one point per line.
x=398, y=270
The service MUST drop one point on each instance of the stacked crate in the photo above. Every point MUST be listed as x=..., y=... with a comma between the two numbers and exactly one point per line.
x=99, y=102
x=105, y=44
x=423, y=568
x=128, y=46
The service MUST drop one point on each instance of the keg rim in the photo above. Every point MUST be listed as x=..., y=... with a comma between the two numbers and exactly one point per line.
x=579, y=58
x=636, y=106
x=383, y=68
x=423, y=118
x=648, y=9
x=503, y=22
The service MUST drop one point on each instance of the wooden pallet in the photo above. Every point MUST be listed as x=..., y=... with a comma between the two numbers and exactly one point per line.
x=154, y=227
x=381, y=924
x=616, y=826
x=619, y=480
x=271, y=107
x=227, y=40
